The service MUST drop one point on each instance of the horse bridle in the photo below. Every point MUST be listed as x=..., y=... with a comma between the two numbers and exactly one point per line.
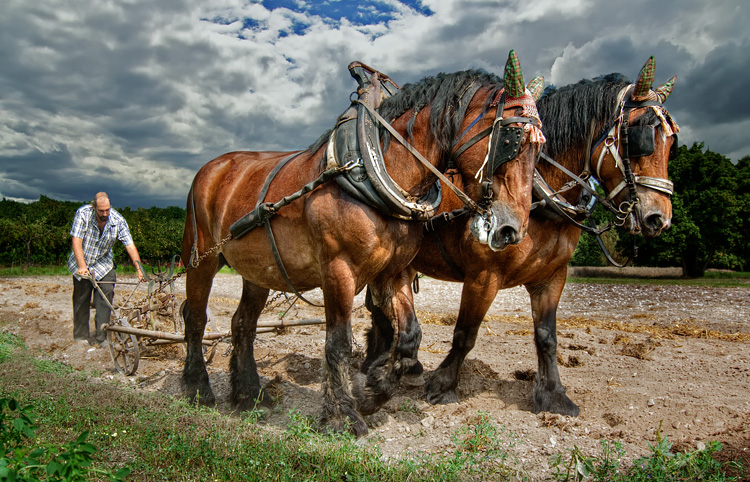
x=504, y=145
x=637, y=141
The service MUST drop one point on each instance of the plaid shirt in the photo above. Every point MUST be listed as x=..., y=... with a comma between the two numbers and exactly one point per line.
x=97, y=249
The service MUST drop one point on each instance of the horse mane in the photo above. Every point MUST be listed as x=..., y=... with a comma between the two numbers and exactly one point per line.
x=567, y=112
x=443, y=93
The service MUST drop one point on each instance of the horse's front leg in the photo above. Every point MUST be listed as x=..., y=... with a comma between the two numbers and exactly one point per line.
x=339, y=406
x=246, y=392
x=393, y=306
x=549, y=392
x=476, y=298
x=194, y=374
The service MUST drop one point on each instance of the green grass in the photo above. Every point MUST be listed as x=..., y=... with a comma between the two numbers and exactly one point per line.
x=157, y=438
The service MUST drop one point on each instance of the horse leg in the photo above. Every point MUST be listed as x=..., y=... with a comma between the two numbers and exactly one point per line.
x=393, y=301
x=339, y=406
x=197, y=289
x=549, y=393
x=476, y=299
x=246, y=391
x=380, y=337
x=380, y=334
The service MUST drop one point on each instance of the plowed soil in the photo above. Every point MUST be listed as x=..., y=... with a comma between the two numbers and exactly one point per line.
x=631, y=356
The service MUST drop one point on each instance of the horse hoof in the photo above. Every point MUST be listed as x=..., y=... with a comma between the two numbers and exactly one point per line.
x=353, y=423
x=443, y=398
x=248, y=404
x=555, y=402
x=410, y=380
x=415, y=368
x=206, y=399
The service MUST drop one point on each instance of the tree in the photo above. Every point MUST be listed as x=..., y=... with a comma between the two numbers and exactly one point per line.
x=707, y=214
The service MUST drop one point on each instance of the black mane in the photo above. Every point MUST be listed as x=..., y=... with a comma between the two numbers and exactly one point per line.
x=443, y=92
x=567, y=112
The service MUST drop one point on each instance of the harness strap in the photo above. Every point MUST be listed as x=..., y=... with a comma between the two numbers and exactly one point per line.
x=280, y=264
x=460, y=194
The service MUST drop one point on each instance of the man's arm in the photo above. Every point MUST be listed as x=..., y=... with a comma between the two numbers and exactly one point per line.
x=135, y=258
x=83, y=270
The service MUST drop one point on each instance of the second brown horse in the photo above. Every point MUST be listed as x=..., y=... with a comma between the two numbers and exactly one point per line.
x=617, y=132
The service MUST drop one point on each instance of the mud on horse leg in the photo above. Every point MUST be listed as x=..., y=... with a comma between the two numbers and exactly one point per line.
x=246, y=391
x=549, y=392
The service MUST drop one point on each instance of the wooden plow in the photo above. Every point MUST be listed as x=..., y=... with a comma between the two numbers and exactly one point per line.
x=157, y=321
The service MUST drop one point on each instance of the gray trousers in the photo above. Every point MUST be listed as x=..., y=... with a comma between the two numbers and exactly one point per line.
x=82, y=290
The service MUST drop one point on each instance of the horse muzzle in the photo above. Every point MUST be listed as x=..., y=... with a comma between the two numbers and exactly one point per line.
x=496, y=228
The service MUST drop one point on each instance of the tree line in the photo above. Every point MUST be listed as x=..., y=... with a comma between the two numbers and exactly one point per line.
x=38, y=233
x=710, y=224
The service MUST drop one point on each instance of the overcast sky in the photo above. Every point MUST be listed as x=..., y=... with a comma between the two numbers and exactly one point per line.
x=133, y=96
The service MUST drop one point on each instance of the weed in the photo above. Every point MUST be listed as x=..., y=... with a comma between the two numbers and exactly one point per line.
x=662, y=465
x=408, y=405
x=71, y=461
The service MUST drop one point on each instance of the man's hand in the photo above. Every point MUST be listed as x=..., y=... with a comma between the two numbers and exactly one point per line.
x=141, y=278
x=83, y=272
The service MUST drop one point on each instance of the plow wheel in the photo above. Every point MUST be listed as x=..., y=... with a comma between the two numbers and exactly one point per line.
x=123, y=348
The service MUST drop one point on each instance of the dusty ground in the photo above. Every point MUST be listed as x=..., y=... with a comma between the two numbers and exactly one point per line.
x=631, y=357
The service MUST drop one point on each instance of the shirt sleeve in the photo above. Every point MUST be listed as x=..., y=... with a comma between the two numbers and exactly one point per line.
x=123, y=233
x=78, y=229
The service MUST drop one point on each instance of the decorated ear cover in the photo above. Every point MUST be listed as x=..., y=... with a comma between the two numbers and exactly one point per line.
x=536, y=87
x=642, y=90
x=513, y=79
x=665, y=89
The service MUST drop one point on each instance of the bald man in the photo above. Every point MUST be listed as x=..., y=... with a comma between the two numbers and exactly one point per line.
x=95, y=229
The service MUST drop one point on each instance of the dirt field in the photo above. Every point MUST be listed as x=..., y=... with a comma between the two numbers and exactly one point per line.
x=631, y=357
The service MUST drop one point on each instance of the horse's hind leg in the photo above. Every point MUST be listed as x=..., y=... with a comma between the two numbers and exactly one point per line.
x=197, y=289
x=380, y=339
x=246, y=392
x=393, y=301
x=549, y=392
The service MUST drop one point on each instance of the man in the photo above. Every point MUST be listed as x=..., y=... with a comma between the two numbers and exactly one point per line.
x=95, y=229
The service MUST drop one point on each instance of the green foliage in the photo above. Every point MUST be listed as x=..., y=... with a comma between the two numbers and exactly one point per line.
x=38, y=233
x=71, y=461
x=711, y=204
x=662, y=465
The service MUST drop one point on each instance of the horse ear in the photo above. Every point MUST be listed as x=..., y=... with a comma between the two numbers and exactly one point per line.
x=665, y=89
x=645, y=80
x=536, y=86
x=513, y=79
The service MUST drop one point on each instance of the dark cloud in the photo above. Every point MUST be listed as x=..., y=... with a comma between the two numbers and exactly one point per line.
x=147, y=92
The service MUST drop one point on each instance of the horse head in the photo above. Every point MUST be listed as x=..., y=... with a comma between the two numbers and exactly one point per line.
x=632, y=155
x=505, y=176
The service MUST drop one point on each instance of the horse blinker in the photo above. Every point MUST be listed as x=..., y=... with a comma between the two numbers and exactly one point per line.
x=506, y=144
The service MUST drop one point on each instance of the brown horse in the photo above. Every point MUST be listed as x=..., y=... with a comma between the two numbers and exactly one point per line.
x=606, y=128
x=331, y=239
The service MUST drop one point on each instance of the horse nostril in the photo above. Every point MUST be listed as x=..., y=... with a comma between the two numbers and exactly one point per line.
x=508, y=235
x=655, y=221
